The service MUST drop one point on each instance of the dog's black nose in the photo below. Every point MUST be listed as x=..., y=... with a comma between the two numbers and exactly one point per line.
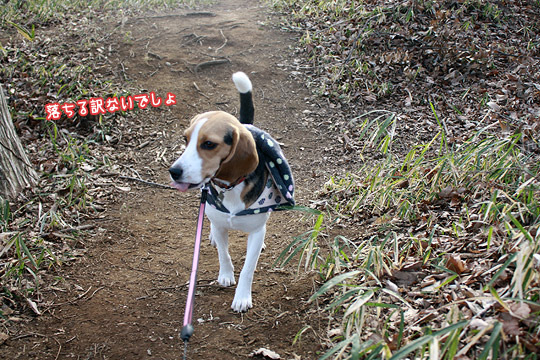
x=176, y=173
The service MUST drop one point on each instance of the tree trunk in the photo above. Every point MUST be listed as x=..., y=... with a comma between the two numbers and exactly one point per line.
x=16, y=172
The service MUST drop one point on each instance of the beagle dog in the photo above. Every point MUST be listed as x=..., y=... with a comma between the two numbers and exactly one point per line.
x=247, y=177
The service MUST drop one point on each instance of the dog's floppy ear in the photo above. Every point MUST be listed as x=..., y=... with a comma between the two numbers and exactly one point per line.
x=243, y=158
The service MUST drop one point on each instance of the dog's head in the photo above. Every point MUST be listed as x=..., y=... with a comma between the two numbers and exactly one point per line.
x=218, y=146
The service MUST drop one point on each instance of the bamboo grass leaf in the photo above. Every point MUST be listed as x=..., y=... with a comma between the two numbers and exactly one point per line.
x=333, y=282
x=492, y=343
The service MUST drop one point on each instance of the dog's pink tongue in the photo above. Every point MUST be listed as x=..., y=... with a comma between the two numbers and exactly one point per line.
x=183, y=187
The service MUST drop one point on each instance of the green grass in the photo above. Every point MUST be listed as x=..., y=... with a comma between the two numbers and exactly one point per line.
x=60, y=201
x=357, y=51
x=488, y=189
x=438, y=252
x=39, y=230
x=23, y=14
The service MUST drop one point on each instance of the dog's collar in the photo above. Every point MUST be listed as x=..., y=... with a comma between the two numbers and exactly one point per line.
x=226, y=186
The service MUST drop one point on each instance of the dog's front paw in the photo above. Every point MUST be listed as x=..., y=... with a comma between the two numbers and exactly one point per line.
x=241, y=303
x=226, y=279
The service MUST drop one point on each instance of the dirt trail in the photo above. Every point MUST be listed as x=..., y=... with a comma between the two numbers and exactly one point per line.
x=126, y=298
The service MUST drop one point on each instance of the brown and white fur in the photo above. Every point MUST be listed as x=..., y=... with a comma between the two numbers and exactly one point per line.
x=220, y=150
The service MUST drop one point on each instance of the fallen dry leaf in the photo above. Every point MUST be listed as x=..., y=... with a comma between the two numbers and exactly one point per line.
x=33, y=306
x=493, y=105
x=266, y=353
x=455, y=264
x=478, y=324
x=406, y=278
x=510, y=324
x=520, y=310
x=123, y=188
x=446, y=192
x=3, y=338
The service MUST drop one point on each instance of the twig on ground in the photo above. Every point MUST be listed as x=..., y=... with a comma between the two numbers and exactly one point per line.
x=143, y=145
x=194, y=38
x=28, y=335
x=177, y=287
x=200, y=92
x=123, y=70
x=224, y=43
x=194, y=14
x=80, y=297
x=146, y=182
x=211, y=63
x=59, y=348
x=154, y=55
x=70, y=229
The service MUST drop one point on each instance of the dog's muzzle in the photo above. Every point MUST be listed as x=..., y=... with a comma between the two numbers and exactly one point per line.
x=176, y=175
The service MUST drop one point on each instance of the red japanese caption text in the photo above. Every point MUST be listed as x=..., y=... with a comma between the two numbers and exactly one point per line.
x=96, y=106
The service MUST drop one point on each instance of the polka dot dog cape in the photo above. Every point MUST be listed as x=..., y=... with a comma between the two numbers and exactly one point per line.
x=278, y=192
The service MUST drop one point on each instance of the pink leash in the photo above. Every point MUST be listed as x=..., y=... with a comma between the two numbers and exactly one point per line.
x=187, y=330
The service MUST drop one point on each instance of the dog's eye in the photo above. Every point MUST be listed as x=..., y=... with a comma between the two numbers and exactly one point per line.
x=208, y=145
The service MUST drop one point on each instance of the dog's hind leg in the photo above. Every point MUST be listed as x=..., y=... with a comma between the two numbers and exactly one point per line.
x=220, y=238
x=242, y=298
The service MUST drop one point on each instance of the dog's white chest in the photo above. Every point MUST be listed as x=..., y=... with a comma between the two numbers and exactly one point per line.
x=232, y=201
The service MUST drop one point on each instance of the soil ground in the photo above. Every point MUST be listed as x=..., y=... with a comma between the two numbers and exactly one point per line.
x=126, y=298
